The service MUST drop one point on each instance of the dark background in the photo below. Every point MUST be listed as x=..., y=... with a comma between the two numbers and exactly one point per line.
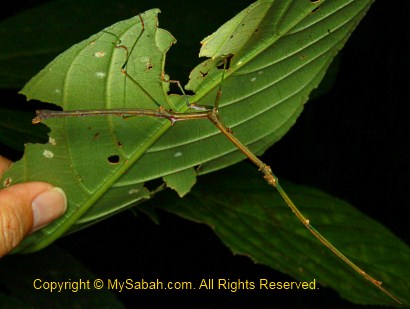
x=352, y=142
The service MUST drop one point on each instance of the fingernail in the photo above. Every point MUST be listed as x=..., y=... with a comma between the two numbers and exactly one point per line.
x=48, y=206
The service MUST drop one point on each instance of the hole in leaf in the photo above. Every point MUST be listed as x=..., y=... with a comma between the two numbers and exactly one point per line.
x=314, y=1
x=225, y=63
x=174, y=89
x=114, y=159
x=315, y=10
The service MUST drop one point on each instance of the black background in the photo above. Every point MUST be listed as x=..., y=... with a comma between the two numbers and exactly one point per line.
x=352, y=143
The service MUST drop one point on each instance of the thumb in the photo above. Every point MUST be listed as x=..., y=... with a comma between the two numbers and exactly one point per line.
x=25, y=208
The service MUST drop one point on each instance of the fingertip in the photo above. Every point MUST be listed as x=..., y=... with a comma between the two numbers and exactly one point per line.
x=27, y=207
x=48, y=206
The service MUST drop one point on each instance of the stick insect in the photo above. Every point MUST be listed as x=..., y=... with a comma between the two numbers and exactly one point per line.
x=211, y=114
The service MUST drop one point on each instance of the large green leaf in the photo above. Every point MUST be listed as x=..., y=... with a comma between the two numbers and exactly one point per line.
x=252, y=220
x=281, y=51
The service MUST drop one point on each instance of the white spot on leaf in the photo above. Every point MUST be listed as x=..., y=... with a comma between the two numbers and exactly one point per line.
x=52, y=141
x=260, y=72
x=100, y=75
x=144, y=59
x=99, y=54
x=253, y=79
x=178, y=154
x=48, y=154
x=133, y=191
x=57, y=91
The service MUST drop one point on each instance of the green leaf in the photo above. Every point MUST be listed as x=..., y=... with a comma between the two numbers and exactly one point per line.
x=97, y=161
x=252, y=219
x=182, y=182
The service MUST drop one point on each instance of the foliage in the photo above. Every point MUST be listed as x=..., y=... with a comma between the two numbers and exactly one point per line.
x=285, y=52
